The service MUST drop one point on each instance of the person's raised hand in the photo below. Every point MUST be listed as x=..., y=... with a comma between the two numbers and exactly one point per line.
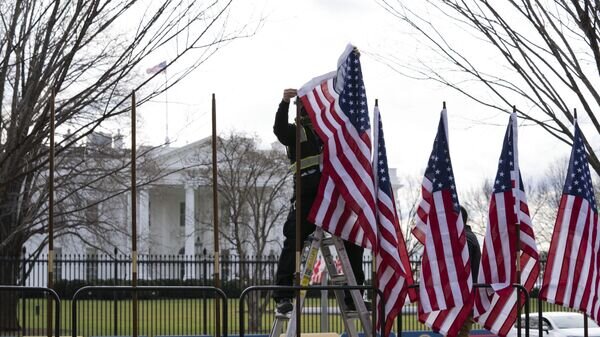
x=288, y=94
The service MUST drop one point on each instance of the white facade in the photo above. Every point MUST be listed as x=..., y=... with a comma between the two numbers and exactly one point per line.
x=174, y=212
x=174, y=215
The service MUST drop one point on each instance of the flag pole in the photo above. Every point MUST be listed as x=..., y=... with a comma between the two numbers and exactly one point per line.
x=51, y=212
x=134, y=256
x=585, y=316
x=217, y=253
x=298, y=205
x=166, y=108
x=374, y=280
x=517, y=210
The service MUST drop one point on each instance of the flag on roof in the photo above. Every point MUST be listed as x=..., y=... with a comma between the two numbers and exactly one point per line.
x=157, y=68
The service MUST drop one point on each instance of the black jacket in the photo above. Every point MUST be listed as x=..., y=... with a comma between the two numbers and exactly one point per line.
x=286, y=134
x=310, y=146
x=474, y=252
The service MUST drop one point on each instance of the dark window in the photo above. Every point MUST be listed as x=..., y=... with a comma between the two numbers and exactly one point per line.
x=58, y=265
x=182, y=214
x=91, y=215
x=91, y=267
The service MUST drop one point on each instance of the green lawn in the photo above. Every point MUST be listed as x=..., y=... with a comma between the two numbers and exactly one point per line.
x=173, y=317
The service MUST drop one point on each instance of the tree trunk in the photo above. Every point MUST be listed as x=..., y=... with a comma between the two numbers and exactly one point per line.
x=10, y=250
x=9, y=269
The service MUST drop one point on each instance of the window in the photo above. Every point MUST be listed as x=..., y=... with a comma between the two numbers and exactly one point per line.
x=182, y=214
x=149, y=211
x=58, y=265
x=91, y=266
x=572, y=321
x=182, y=264
x=91, y=215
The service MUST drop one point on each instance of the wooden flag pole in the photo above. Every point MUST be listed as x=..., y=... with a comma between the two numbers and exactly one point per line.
x=585, y=316
x=134, y=274
x=518, y=224
x=217, y=253
x=374, y=280
x=51, y=213
x=298, y=205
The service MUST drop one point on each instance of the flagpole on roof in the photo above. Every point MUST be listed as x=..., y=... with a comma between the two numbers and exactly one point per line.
x=167, y=109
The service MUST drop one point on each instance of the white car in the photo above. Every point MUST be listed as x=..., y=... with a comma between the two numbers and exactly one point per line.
x=557, y=324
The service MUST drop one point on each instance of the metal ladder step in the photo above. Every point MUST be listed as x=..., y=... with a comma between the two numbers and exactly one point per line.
x=325, y=244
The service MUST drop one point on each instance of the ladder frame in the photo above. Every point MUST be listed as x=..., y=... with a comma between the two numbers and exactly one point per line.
x=324, y=243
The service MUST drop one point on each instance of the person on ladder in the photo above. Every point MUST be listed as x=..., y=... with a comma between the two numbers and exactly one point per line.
x=311, y=147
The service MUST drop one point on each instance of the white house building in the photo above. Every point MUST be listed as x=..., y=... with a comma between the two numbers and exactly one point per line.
x=174, y=208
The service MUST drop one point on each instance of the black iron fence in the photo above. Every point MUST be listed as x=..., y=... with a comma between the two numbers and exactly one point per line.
x=73, y=272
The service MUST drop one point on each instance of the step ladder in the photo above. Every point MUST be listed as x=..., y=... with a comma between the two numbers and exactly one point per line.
x=325, y=243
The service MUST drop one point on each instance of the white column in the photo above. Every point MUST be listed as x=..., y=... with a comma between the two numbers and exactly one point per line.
x=144, y=222
x=143, y=231
x=190, y=224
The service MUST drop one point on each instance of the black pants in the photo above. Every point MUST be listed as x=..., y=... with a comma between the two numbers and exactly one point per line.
x=286, y=267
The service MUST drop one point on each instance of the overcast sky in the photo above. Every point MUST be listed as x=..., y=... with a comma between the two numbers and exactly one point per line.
x=303, y=39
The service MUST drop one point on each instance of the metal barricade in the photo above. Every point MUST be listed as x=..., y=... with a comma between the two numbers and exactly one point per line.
x=519, y=287
x=246, y=291
x=21, y=291
x=135, y=291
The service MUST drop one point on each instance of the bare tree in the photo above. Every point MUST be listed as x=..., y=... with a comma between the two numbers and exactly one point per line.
x=88, y=53
x=477, y=203
x=544, y=200
x=253, y=186
x=409, y=197
x=546, y=57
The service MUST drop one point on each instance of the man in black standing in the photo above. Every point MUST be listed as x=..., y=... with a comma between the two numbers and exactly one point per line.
x=311, y=147
x=475, y=257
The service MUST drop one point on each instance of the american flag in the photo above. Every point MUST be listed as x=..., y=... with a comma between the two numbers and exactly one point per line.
x=317, y=273
x=337, y=105
x=393, y=267
x=445, y=285
x=571, y=275
x=496, y=308
x=157, y=68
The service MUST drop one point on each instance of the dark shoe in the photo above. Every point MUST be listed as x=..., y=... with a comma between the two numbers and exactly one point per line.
x=284, y=306
x=351, y=307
